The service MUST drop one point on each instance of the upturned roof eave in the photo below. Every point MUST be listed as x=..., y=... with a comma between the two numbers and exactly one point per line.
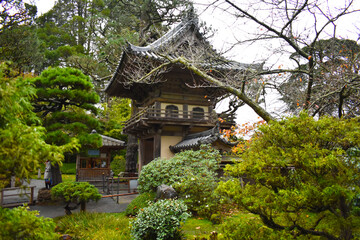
x=197, y=142
x=112, y=142
x=168, y=38
x=196, y=139
x=114, y=76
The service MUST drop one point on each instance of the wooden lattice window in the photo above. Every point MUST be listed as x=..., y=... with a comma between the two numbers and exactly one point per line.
x=172, y=111
x=198, y=113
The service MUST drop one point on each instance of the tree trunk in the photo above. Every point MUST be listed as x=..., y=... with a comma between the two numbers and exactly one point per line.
x=83, y=206
x=252, y=104
x=131, y=154
x=55, y=174
x=341, y=103
x=346, y=229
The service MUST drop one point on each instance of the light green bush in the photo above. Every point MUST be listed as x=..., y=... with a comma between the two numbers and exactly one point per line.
x=160, y=220
x=197, y=191
x=170, y=171
x=191, y=173
x=118, y=164
x=19, y=223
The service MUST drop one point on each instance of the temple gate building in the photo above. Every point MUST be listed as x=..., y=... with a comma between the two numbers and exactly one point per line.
x=172, y=108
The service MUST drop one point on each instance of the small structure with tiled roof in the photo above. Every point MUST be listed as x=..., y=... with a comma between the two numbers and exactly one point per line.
x=195, y=140
x=95, y=163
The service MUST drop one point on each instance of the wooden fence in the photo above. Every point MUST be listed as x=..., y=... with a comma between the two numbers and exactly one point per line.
x=22, y=194
x=113, y=186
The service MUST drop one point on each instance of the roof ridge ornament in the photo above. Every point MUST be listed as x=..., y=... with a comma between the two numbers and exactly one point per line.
x=190, y=15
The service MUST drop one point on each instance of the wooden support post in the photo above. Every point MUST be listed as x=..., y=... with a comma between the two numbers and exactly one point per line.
x=31, y=195
x=157, y=144
x=2, y=197
x=103, y=176
x=185, y=110
x=78, y=166
x=142, y=154
x=128, y=183
x=158, y=109
x=107, y=185
x=210, y=109
x=118, y=189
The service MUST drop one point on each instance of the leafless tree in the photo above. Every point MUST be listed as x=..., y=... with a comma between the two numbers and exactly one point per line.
x=309, y=42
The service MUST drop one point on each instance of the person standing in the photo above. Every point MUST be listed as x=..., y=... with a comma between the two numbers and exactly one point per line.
x=47, y=174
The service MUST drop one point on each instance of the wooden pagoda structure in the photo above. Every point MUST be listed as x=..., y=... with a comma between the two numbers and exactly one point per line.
x=169, y=114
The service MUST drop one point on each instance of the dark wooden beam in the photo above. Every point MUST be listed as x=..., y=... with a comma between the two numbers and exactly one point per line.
x=157, y=144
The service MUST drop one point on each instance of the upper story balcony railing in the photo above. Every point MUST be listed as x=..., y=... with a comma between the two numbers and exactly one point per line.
x=152, y=115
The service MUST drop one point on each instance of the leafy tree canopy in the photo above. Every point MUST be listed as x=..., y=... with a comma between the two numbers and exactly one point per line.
x=305, y=176
x=114, y=114
x=22, y=145
x=14, y=13
x=336, y=79
x=21, y=46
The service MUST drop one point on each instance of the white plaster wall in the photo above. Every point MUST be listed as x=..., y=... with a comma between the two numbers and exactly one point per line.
x=167, y=141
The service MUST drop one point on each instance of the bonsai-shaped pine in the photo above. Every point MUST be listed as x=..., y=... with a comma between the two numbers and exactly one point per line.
x=75, y=192
x=66, y=103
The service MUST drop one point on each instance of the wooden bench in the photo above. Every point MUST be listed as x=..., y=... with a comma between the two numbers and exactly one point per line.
x=20, y=192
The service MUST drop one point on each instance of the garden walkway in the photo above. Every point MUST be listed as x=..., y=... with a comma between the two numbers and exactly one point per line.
x=105, y=205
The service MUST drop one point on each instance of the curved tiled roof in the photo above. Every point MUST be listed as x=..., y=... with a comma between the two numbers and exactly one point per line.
x=177, y=34
x=111, y=142
x=173, y=37
x=192, y=141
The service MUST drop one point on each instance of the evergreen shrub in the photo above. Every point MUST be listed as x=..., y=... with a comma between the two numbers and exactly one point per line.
x=77, y=192
x=118, y=164
x=160, y=220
